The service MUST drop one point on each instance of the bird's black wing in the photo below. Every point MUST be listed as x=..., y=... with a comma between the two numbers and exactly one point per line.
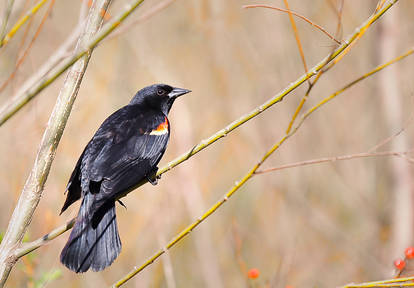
x=73, y=188
x=124, y=151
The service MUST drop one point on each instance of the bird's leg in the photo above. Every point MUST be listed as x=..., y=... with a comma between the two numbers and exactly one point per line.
x=122, y=204
x=152, y=177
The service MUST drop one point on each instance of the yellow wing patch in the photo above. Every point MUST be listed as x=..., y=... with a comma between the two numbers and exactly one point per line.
x=161, y=129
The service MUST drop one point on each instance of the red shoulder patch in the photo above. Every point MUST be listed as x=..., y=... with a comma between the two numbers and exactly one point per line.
x=161, y=129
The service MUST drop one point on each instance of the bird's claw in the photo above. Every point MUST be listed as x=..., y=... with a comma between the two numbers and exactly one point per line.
x=153, y=179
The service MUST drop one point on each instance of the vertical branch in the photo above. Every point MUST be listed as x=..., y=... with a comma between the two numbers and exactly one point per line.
x=296, y=33
x=33, y=188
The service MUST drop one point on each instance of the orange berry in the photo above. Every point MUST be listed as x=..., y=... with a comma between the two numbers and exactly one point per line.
x=409, y=252
x=399, y=264
x=253, y=273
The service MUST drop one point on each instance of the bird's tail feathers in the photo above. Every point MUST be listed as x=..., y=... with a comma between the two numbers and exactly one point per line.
x=94, y=240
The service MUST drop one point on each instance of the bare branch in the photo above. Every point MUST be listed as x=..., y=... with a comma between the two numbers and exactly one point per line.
x=380, y=4
x=389, y=139
x=26, y=248
x=334, y=159
x=296, y=33
x=21, y=21
x=297, y=15
x=318, y=76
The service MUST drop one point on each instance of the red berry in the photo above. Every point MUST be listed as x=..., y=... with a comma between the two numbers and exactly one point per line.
x=253, y=273
x=399, y=264
x=409, y=252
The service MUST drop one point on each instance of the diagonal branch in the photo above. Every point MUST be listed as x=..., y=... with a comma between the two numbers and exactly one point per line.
x=26, y=248
x=32, y=191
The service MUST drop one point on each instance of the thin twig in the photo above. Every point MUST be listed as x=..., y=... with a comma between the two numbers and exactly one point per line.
x=334, y=159
x=32, y=191
x=21, y=21
x=390, y=138
x=26, y=248
x=26, y=52
x=148, y=14
x=297, y=38
x=332, y=96
x=339, y=14
x=315, y=80
x=340, y=57
x=6, y=15
x=380, y=4
x=19, y=100
x=297, y=15
x=233, y=190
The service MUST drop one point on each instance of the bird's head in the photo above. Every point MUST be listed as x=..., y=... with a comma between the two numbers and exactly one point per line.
x=158, y=96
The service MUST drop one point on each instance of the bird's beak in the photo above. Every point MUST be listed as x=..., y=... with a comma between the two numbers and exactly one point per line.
x=176, y=92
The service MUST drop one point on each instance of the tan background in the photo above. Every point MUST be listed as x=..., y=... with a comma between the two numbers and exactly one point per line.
x=323, y=225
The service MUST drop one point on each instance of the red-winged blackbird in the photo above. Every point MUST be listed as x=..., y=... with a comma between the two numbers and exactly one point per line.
x=123, y=152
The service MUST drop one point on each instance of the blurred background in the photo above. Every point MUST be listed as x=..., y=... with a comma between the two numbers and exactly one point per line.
x=322, y=225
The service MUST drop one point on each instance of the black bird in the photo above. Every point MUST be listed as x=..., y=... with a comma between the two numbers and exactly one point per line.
x=123, y=152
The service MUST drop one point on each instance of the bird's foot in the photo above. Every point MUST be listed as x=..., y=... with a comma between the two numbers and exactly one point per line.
x=153, y=178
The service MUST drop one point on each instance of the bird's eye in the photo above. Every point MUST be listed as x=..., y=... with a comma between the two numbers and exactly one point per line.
x=160, y=92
